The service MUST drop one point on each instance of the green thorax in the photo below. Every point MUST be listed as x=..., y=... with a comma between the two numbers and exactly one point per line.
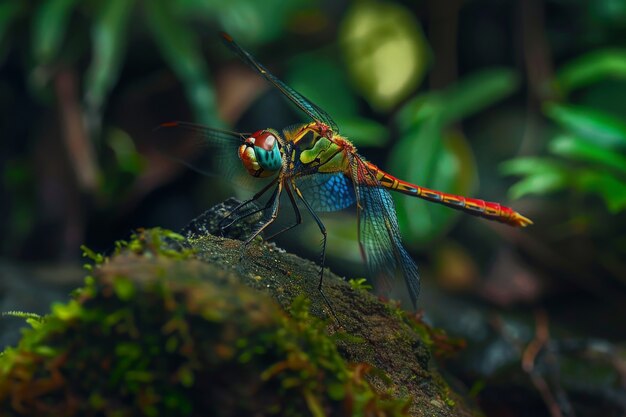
x=317, y=150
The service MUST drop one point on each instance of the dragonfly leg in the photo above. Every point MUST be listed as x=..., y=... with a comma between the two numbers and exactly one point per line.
x=243, y=216
x=275, y=203
x=323, y=255
x=296, y=211
x=255, y=197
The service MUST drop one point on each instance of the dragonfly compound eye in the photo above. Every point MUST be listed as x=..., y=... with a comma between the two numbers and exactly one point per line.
x=260, y=154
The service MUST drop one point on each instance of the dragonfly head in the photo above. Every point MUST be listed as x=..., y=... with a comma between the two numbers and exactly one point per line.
x=260, y=153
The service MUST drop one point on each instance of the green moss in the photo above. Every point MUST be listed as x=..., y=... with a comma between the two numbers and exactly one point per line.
x=155, y=332
x=34, y=320
x=418, y=326
x=153, y=242
x=360, y=284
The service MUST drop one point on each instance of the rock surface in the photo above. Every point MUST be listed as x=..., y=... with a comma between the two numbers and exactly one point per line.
x=233, y=346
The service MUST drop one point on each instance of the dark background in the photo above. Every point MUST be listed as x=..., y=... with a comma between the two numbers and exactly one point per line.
x=516, y=101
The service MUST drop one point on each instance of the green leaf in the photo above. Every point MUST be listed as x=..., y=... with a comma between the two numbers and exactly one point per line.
x=592, y=125
x=576, y=148
x=109, y=41
x=528, y=165
x=128, y=159
x=419, y=109
x=610, y=14
x=9, y=11
x=23, y=314
x=592, y=67
x=67, y=312
x=539, y=184
x=124, y=288
x=385, y=50
x=541, y=176
x=50, y=24
x=468, y=96
x=91, y=254
x=442, y=161
x=437, y=160
x=181, y=49
x=606, y=96
x=313, y=403
x=611, y=189
x=476, y=92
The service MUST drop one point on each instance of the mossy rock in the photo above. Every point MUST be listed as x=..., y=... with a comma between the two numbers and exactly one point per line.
x=173, y=327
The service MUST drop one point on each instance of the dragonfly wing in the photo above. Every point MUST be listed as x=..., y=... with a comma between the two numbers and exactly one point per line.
x=209, y=151
x=379, y=234
x=310, y=108
x=327, y=192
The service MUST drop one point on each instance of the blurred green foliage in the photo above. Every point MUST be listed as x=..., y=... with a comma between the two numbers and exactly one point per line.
x=385, y=51
x=386, y=56
x=436, y=154
x=364, y=62
x=108, y=32
x=57, y=39
x=588, y=145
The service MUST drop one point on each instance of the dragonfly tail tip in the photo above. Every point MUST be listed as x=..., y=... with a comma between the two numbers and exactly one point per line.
x=521, y=221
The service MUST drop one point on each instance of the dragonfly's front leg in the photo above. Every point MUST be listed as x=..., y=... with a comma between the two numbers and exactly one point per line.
x=275, y=203
x=258, y=195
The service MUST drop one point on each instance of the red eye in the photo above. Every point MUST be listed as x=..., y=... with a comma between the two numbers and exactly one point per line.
x=264, y=140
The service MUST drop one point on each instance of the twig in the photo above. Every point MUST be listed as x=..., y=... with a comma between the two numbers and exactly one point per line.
x=79, y=147
x=542, y=335
x=530, y=357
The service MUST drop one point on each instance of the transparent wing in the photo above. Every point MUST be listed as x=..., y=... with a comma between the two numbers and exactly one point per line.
x=209, y=151
x=379, y=235
x=312, y=110
x=327, y=192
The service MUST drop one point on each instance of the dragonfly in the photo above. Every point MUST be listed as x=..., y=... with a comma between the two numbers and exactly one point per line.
x=313, y=164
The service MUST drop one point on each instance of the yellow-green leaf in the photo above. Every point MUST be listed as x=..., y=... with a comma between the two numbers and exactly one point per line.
x=385, y=50
x=540, y=175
